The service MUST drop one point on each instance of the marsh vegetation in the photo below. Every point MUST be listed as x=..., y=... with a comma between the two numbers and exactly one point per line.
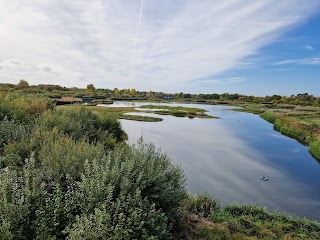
x=67, y=173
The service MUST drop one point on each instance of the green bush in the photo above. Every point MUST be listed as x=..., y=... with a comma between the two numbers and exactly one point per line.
x=132, y=193
x=20, y=140
x=11, y=131
x=82, y=123
x=22, y=107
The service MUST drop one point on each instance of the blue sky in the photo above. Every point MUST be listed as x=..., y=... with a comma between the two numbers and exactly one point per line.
x=209, y=46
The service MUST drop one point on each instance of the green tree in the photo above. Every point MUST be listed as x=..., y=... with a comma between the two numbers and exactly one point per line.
x=90, y=87
x=133, y=91
x=23, y=84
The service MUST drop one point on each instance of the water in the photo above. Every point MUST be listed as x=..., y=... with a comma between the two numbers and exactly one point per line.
x=227, y=157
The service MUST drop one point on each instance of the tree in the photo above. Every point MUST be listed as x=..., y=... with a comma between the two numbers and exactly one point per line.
x=23, y=84
x=149, y=94
x=90, y=87
x=126, y=91
x=133, y=91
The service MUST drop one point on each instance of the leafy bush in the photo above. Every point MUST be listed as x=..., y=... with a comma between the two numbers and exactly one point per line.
x=82, y=123
x=11, y=131
x=22, y=108
x=54, y=127
x=131, y=193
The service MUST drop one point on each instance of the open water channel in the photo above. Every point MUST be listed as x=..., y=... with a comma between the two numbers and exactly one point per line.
x=226, y=157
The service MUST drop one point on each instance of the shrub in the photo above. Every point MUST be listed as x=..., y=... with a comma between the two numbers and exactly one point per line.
x=131, y=193
x=11, y=131
x=82, y=123
x=22, y=108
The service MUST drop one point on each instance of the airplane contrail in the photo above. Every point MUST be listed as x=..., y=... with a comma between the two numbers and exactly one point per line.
x=135, y=39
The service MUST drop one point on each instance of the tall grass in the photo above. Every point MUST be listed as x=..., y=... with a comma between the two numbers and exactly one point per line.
x=314, y=149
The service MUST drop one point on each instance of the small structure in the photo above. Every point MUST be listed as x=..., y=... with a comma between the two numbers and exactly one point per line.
x=87, y=100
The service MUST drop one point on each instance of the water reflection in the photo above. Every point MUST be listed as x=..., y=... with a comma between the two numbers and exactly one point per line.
x=228, y=156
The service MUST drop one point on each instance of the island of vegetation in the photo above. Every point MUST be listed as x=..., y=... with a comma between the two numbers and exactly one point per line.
x=67, y=173
x=177, y=111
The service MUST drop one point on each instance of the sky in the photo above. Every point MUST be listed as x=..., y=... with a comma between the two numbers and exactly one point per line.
x=197, y=46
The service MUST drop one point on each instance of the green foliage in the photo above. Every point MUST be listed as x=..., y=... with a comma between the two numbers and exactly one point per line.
x=131, y=217
x=281, y=126
x=22, y=84
x=248, y=222
x=203, y=205
x=256, y=221
x=115, y=113
x=131, y=193
x=82, y=123
x=58, y=160
x=178, y=111
x=90, y=87
x=53, y=131
x=268, y=117
x=11, y=131
x=314, y=149
x=22, y=108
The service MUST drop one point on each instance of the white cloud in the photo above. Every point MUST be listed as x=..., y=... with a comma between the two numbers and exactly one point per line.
x=233, y=80
x=308, y=47
x=74, y=43
x=304, y=61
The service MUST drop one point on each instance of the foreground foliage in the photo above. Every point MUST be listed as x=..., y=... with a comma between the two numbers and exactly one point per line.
x=67, y=173
x=130, y=193
x=204, y=219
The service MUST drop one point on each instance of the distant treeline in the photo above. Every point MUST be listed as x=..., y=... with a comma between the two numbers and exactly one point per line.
x=56, y=91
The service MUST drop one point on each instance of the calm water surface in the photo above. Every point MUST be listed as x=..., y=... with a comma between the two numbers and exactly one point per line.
x=227, y=157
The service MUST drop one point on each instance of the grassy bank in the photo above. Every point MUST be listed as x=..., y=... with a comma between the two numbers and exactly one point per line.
x=114, y=112
x=204, y=219
x=120, y=112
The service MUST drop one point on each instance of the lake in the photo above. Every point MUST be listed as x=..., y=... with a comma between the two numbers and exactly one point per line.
x=226, y=157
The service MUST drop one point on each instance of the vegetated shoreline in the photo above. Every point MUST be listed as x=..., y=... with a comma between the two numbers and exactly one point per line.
x=120, y=112
x=306, y=134
x=66, y=173
x=303, y=133
x=178, y=111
